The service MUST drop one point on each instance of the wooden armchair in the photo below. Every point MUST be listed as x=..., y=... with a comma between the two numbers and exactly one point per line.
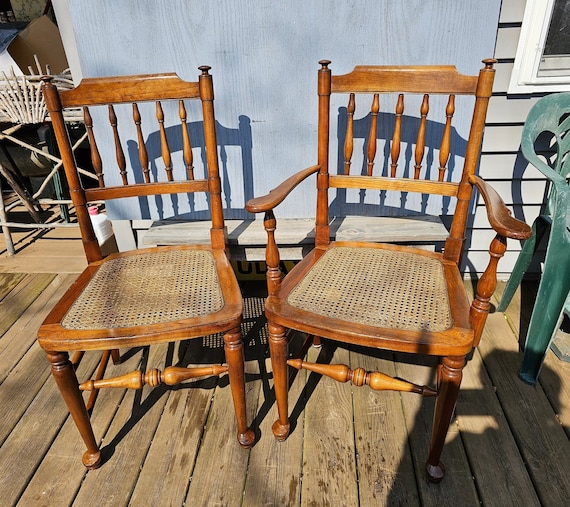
x=397, y=298
x=154, y=295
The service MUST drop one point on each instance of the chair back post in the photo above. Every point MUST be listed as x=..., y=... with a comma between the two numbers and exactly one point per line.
x=454, y=243
x=53, y=102
x=322, y=228
x=218, y=232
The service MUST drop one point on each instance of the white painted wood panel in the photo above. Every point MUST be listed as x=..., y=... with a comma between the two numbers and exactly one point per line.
x=526, y=213
x=496, y=166
x=524, y=191
x=502, y=76
x=507, y=40
x=502, y=138
x=477, y=261
x=509, y=109
x=512, y=11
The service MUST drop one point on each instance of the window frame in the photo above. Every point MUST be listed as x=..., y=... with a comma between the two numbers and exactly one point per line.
x=524, y=76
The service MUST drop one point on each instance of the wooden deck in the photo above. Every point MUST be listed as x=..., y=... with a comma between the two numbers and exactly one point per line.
x=509, y=444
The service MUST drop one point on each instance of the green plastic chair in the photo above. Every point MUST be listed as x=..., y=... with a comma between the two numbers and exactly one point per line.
x=548, y=120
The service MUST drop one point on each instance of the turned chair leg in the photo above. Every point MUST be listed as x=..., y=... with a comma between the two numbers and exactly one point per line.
x=450, y=374
x=278, y=349
x=233, y=347
x=65, y=378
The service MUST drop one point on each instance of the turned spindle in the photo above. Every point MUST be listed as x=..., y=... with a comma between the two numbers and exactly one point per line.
x=137, y=379
x=359, y=376
x=421, y=139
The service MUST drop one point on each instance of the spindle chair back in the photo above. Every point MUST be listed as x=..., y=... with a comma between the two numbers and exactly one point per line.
x=392, y=297
x=153, y=295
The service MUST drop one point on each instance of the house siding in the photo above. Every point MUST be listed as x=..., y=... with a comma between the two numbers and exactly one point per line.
x=521, y=186
x=250, y=89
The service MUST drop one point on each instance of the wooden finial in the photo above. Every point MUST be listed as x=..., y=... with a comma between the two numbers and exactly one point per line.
x=325, y=63
x=204, y=69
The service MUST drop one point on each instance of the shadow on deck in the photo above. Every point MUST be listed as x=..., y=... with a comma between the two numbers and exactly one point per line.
x=509, y=443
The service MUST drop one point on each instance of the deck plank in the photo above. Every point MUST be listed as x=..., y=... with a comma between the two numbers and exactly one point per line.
x=458, y=487
x=555, y=381
x=169, y=463
x=61, y=472
x=22, y=452
x=491, y=447
x=555, y=375
x=221, y=466
x=385, y=467
x=504, y=430
x=22, y=334
x=8, y=281
x=21, y=388
x=329, y=461
x=540, y=436
x=127, y=441
x=275, y=468
x=20, y=297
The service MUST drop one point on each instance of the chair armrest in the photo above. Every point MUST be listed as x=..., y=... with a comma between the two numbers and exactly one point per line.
x=499, y=215
x=278, y=194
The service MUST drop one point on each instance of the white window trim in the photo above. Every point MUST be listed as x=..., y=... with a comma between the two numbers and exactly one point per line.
x=524, y=79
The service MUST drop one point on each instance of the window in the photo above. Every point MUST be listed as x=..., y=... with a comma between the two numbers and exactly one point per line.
x=542, y=62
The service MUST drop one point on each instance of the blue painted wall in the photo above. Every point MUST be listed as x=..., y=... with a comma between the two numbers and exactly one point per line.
x=264, y=58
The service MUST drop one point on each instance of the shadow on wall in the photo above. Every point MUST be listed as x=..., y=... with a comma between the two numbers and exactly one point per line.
x=399, y=203
x=168, y=206
x=517, y=203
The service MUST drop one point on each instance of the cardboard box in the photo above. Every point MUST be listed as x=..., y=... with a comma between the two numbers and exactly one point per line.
x=41, y=38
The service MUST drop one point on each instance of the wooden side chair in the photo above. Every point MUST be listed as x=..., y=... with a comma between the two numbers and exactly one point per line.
x=382, y=296
x=154, y=295
x=545, y=144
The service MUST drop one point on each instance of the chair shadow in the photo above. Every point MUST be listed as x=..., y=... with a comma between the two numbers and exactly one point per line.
x=203, y=350
x=240, y=138
x=474, y=443
x=415, y=448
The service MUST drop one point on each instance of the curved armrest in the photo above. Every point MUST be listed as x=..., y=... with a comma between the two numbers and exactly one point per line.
x=278, y=194
x=499, y=215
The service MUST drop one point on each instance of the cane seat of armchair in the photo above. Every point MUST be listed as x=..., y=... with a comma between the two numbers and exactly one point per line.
x=545, y=143
x=392, y=297
x=153, y=295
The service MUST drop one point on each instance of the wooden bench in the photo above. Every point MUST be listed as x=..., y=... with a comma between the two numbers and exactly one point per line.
x=295, y=236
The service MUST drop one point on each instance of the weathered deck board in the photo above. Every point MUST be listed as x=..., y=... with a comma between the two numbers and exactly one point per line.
x=508, y=445
x=22, y=334
x=555, y=375
x=274, y=469
x=168, y=467
x=384, y=459
x=51, y=251
x=127, y=441
x=492, y=451
x=458, y=482
x=541, y=439
x=555, y=381
x=221, y=467
x=60, y=473
x=8, y=282
x=329, y=461
x=31, y=438
x=20, y=297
